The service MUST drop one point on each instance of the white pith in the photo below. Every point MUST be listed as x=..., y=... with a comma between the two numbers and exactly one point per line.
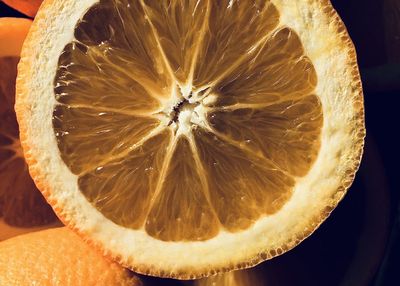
x=190, y=115
x=312, y=193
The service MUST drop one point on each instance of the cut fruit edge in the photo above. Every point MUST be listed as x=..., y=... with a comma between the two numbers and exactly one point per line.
x=314, y=197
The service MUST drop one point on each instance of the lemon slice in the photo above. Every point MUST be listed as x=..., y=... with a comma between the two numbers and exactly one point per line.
x=185, y=138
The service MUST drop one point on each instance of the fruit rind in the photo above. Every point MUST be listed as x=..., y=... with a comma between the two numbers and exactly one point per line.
x=318, y=193
x=60, y=257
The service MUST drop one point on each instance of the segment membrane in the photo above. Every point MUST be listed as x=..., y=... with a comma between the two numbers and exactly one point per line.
x=87, y=78
x=263, y=123
x=179, y=26
x=243, y=186
x=277, y=71
x=87, y=137
x=181, y=210
x=122, y=189
x=114, y=61
x=233, y=31
x=287, y=133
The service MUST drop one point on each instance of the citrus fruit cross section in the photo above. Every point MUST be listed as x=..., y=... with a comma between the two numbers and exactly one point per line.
x=185, y=118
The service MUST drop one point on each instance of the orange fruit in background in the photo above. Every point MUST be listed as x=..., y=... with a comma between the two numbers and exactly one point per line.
x=21, y=205
x=27, y=7
x=186, y=138
x=13, y=32
x=58, y=257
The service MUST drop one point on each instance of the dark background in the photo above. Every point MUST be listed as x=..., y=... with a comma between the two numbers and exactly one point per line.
x=360, y=242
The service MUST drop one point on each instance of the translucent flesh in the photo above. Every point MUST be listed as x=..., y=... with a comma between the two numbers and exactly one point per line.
x=283, y=132
x=87, y=136
x=243, y=186
x=123, y=188
x=181, y=204
x=128, y=87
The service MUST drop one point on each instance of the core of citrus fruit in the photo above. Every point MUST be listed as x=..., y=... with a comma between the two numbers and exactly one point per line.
x=185, y=138
x=58, y=257
x=21, y=204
